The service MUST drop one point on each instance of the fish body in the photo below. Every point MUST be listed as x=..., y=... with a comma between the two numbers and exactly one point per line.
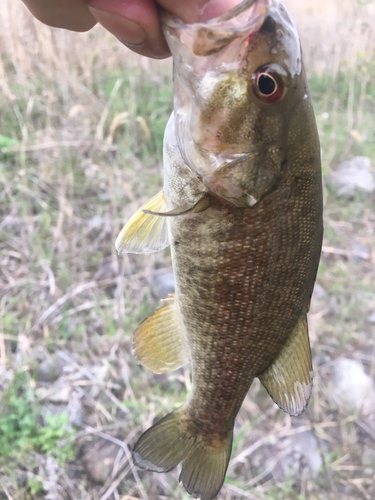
x=242, y=205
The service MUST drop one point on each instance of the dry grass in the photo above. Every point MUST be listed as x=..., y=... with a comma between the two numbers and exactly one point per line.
x=80, y=149
x=333, y=31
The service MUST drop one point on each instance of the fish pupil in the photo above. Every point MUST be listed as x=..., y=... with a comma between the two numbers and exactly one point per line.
x=266, y=84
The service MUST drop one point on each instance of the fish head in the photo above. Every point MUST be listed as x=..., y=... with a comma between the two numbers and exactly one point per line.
x=238, y=82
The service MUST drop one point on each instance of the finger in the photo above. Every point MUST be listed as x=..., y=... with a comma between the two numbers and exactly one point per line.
x=134, y=22
x=69, y=14
x=198, y=10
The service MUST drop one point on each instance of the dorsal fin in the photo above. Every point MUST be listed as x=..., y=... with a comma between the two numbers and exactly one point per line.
x=289, y=379
x=158, y=342
x=145, y=233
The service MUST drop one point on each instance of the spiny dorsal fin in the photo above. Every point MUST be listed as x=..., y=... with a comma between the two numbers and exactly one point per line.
x=158, y=342
x=200, y=206
x=289, y=379
x=145, y=233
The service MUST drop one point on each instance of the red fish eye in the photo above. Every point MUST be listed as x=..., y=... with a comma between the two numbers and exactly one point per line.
x=269, y=83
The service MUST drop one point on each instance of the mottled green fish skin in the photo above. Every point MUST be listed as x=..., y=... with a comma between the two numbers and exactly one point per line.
x=244, y=277
x=244, y=269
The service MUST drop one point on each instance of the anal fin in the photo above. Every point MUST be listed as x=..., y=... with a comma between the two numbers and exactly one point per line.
x=145, y=233
x=158, y=342
x=289, y=379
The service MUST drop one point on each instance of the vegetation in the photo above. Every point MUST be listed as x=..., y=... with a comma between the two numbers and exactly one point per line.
x=81, y=132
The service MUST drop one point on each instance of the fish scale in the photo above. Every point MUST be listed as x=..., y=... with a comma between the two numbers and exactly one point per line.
x=241, y=209
x=261, y=315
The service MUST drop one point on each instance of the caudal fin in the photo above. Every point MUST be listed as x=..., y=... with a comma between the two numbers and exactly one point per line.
x=169, y=442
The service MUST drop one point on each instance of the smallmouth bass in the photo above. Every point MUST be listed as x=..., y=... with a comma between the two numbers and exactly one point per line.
x=241, y=209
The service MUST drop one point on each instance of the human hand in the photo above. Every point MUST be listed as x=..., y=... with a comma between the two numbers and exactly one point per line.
x=134, y=22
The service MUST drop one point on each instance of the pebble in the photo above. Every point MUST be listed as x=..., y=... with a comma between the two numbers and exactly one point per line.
x=61, y=395
x=350, y=388
x=361, y=252
x=162, y=283
x=368, y=458
x=99, y=459
x=355, y=174
x=51, y=368
x=307, y=445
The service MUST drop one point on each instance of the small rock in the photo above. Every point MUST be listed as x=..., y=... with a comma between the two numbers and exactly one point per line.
x=62, y=395
x=357, y=173
x=368, y=458
x=319, y=291
x=75, y=408
x=351, y=389
x=361, y=252
x=95, y=222
x=372, y=318
x=163, y=283
x=307, y=445
x=50, y=369
x=99, y=458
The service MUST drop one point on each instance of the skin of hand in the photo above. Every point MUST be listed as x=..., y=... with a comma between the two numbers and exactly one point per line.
x=134, y=22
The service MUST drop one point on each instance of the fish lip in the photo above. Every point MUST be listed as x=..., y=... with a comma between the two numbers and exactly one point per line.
x=208, y=37
x=174, y=21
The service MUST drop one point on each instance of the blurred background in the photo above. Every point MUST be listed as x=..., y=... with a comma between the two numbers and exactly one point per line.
x=81, y=128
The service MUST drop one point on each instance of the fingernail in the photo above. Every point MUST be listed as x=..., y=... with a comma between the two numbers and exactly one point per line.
x=127, y=31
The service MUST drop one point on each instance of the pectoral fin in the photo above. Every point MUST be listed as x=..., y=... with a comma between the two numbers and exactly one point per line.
x=145, y=233
x=200, y=206
x=158, y=342
x=289, y=379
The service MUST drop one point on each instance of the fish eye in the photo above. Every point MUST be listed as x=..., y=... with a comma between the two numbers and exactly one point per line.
x=266, y=84
x=270, y=83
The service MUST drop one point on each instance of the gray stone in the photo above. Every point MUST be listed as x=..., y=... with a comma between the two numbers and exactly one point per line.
x=99, y=459
x=350, y=388
x=75, y=408
x=50, y=369
x=361, y=252
x=368, y=458
x=162, y=283
x=60, y=395
x=356, y=174
x=307, y=445
x=319, y=291
x=95, y=222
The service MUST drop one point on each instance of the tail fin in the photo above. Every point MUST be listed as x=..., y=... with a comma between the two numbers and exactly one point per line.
x=169, y=442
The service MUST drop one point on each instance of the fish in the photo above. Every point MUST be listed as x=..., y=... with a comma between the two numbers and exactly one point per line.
x=241, y=209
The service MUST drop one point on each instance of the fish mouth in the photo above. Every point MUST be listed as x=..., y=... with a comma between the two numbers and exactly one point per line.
x=234, y=11
x=209, y=37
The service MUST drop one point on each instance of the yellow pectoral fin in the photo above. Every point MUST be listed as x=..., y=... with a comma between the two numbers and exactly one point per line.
x=200, y=206
x=145, y=233
x=158, y=342
x=289, y=379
